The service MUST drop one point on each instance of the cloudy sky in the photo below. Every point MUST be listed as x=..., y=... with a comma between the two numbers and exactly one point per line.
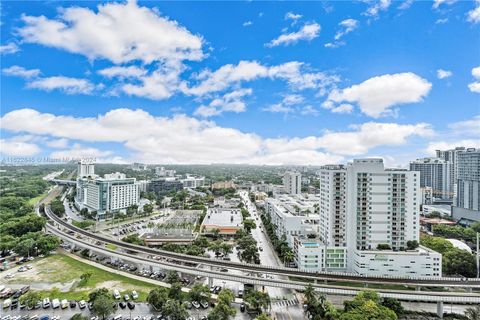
x=239, y=82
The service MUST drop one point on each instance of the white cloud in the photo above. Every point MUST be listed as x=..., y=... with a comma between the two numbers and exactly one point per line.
x=230, y=102
x=473, y=15
x=441, y=21
x=57, y=143
x=438, y=3
x=343, y=108
x=467, y=127
x=21, y=72
x=119, y=32
x=287, y=103
x=9, y=48
x=308, y=32
x=476, y=72
x=123, y=72
x=278, y=108
x=376, y=6
x=292, y=99
x=78, y=152
x=292, y=72
x=376, y=96
x=335, y=44
x=442, y=74
x=11, y=147
x=475, y=86
x=348, y=26
x=183, y=139
x=292, y=16
x=451, y=144
x=405, y=5
x=65, y=84
x=247, y=23
x=309, y=110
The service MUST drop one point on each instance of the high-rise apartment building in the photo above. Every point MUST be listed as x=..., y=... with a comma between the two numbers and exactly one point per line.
x=435, y=173
x=383, y=205
x=333, y=209
x=292, y=182
x=85, y=169
x=468, y=179
x=451, y=155
x=111, y=193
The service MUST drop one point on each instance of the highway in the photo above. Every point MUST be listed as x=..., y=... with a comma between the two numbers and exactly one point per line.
x=177, y=262
x=282, y=271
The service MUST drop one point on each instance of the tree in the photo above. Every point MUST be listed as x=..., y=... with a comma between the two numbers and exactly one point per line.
x=393, y=304
x=223, y=310
x=24, y=247
x=366, y=306
x=78, y=316
x=102, y=303
x=288, y=256
x=412, y=244
x=172, y=277
x=199, y=292
x=174, y=310
x=263, y=316
x=84, y=277
x=369, y=310
x=148, y=209
x=175, y=291
x=57, y=207
x=134, y=238
x=30, y=299
x=257, y=300
x=459, y=262
x=473, y=313
x=383, y=246
x=318, y=306
x=436, y=243
x=157, y=298
x=249, y=224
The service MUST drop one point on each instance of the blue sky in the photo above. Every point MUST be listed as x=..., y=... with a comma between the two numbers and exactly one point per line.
x=239, y=82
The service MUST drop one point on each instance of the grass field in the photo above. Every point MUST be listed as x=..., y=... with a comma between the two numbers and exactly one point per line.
x=33, y=201
x=111, y=246
x=61, y=275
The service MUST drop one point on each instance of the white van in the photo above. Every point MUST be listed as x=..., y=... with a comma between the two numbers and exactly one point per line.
x=64, y=303
x=46, y=303
x=116, y=294
x=55, y=303
x=7, y=303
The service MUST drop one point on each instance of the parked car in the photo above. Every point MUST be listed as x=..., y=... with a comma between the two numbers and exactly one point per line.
x=131, y=305
x=134, y=295
x=82, y=304
x=73, y=304
x=126, y=297
x=196, y=304
x=64, y=303
x=116, y=294
x=46, y=303
x=204, y=304
x=242, y=307
x=55, y=303
x=122, y=305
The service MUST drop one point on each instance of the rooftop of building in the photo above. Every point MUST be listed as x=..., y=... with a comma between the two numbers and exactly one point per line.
x=223, y=217
x=296, y=204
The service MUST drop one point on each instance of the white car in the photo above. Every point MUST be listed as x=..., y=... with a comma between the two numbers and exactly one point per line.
x=116, y=294
x=46, y=303
x=82, y=304
x=134, y=295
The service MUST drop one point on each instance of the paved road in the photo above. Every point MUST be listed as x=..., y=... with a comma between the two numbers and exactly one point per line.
x=289, y=306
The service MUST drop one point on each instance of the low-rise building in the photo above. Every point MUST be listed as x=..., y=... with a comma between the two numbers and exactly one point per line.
x=290, y=214
x=162, y=172
x=223, y=185
x=164, y=186
x=422, y=262
x=192, y=182
x=226, y=220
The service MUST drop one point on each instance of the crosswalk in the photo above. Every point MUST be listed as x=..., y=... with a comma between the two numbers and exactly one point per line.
x=285, y=303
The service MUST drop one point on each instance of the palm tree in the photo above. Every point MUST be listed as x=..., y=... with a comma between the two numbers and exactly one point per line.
x=473, y=313
x=288, y=256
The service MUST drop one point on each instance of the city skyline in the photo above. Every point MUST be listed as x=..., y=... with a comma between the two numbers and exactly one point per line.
x=244, y=82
